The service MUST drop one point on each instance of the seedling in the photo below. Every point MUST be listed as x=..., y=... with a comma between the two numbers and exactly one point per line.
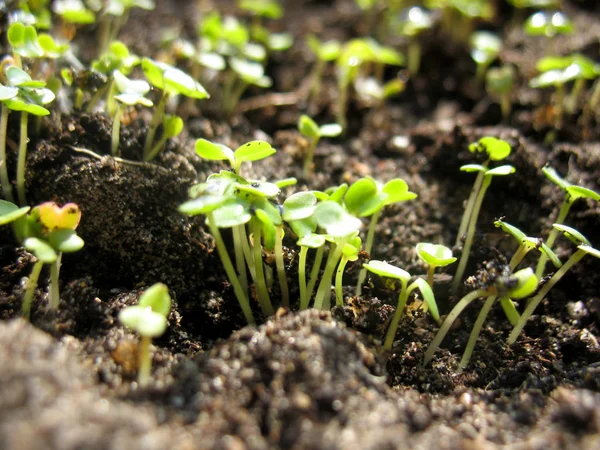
x=171, y=81
x=243, y=73
x=518, y=285
x=130, y=93
x=34, y=13
x=412, y=22
x=73, y=11
x=434, y=255
x=367, y=198
x=572, y=194
x=495, y=150
x=149, y=319
x=459, y=16
x=499, y=84
x=29, y=100
x=115, y=15
x=47, y=232
x=549, y=24
x=485, y=47
x=309, y=128
x=269, y=9
x=384, y=269
x=6, y=93
x=583, y=248
x=9, y=212
x=324, y=52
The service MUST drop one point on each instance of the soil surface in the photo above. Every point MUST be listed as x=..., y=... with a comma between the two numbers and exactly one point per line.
x=311, y=379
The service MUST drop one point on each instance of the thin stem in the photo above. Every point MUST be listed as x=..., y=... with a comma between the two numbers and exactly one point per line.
x=441, y=334
x=156, y=121
x=30, y=290
x=96, y=98
x=230, y=271
x=562, y=214
x=462, y=229
x=339, y=276
x=116, y=130
x=157, y=148
x=464, y=257
x=4, y=180
x=302, y=277
x=483, y=313
x=414, y=56
x=22, y=160
x=283, y=284
x=323, y=297
x=505, y=105
x=240, y=263
x=54, y=286
x=342, y=104
x=510, y=311
x=362, y=275
x=518, y=257
x=316, y=75
x=307, y=168
x=535, y=301
x=261, y=286
x=144, y=361
x=247, y=252
x=391, y=333
x=314, y=273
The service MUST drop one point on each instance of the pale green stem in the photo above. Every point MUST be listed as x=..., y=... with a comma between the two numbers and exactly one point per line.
x=464, y=257
x=462, y=229
x=342, y=104
x=4, y=179
x=156, y=121
x=283, y=284
x=339, y=275
x=22, y=159
x=441, y=334
x=510, y=311
x=247, y=252
x=261, y=286
x=362, y=275
x=483, y=313
x=307, y=169
x=157, y=148
x=505, y=105
x=54, y=286
x=302, y=278
x=316, y=75
x=571, y=102
x=559, y=106
x=314, y=273
x=535, y=301
x=391, y=333
x=144, y=361
x=518, y=257
x=96, y=98
x=30, y=290
x=562, y=214
x=230, y=270
x=323, y=297
x=116, y=131
x=239, y=257
x=414, y=56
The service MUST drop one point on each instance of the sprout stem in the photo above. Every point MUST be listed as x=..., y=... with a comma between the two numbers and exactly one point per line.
x=323, y=297
x=4, y=180
x=315, y=78
x=261, y=286
x=339, y=275
x=307, y=169
x=391, y=333
x=562, y=214
x=441, y=334
x=156, y=121
x=283, y=284
x=30, y=290
x=302, y=277
x=483, y=313
x=230, y=271
x=414, y=56
x=314, y=273
x=362, y=275
x=239, y=257
x=22, y=159
x=144, y=361
x=535, y=301
x=54, y=286
x=462, y=229
x=116, y=131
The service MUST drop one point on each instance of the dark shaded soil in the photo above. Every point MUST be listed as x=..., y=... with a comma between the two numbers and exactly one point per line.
x=310, y=380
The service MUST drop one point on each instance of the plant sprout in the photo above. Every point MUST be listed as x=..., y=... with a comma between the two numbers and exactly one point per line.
x=549, y=24
x=47, y=232
x=384, y=269
x=324, y=52
x=411, y=23
x=434, y=255
x=572, y=194
x=243, y=73
x=115, y=15
x=130, y=93
x=499, y=84
x=365, y=198
x=309, y=128
x=485, y=47
x=149, y=319
x=171, y=81
x=73, y=11
x=583, y=248
x=6, y=93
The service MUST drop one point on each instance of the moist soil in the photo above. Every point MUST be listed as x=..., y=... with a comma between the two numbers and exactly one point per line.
x=314, y=379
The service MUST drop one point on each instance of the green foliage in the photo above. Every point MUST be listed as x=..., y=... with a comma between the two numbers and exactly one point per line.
x=485, y=47
x=548, y=24
x=9, y=212
x=309, y=128
x=73, y=11
x=499, y=83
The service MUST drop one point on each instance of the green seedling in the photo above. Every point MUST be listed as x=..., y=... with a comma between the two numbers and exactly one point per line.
x=549, y=24
x=250, y=151
x=309, y=128
x=324, y=52
x=6, y=93
x=268, y=9
x=367, y=198
x=458, y=17
x=34, y=13
x=29, y=100
x=411, y=23
x=130, y=93
x=572, y=194
x=522, y=4
x=48, y=231
x=499, y=83
x=171, y=81
x=434, y=255
x=350, y=252
x=73, y=11
x=9, y=212
x=495, y=150
x=115, y=15
x=583, y=248
x=384, y=269
x=149, y=319
x=372, y=92
x=223, y=35
x=485, y=47
x=512, y=286
x=244, y=73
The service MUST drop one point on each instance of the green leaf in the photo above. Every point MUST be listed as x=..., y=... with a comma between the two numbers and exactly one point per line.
x=172, y=125
x=286, y=182
x=526, y=284
x=19, y=104
x=308, y=127
x=261, y=189
x=398, y=191
x=270, y=9
x=231, y=215
x=589, y=250
x=41, y=249
x=384, y=269
x=9, y=212
x=428, y=296
x=510, y=229
x=202, y=205
x=24, y=40
x=253, y=151
x=250, y=71
x=325, y=51
x=214, y=152
x=473, y=168
x=172, y=80
x=157, y=297
x=435, y=255
x=496, y=149
x=73, y=11
x=337, y=194
x=577, y=192
x=299, y=206
x=7, y=92
x=278, y=42
x=303, y=227
x=553, y=176
x=334, y=220
x=500, y=171
x=544, y=23
x=143, y=320
x=330, y=130
x=65, y=240
x=551, y=255
x=485, y=46
x=311, y=240
x=572, y=234
x=50, y=47
x=363, y=198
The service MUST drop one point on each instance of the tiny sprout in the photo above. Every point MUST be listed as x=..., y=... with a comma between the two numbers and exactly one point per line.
x=119, y=10
x=583, y=248
x=149, y=319
x=47, y=232
x=250, y=151
x=130, y=92
x=24, y=40
x=572, y=194
x=309, y=128
x=244, y=73
x=384, y=269
x=412, y=22
x=73, y=11
x=324, y=52
x=499, y=84
x=549, y=24
x=269, y=9
x=485, y=47
x=434, y=255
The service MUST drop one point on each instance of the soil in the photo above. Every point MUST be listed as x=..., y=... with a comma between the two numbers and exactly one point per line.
x=312, y=379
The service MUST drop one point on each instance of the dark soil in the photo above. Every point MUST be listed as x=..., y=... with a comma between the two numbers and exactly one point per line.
x=310, y=380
